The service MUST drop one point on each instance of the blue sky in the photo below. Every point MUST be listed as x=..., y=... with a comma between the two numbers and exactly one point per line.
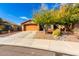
x=20, y=12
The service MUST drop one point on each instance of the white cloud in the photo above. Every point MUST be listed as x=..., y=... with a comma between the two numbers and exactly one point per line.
x=23, y=17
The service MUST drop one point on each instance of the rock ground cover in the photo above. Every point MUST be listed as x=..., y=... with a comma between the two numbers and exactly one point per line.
x=72, y=37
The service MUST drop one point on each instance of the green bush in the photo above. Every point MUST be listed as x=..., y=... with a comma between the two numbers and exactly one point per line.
x=56, y=33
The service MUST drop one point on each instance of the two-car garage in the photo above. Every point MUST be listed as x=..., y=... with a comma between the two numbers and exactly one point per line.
x=29, y=26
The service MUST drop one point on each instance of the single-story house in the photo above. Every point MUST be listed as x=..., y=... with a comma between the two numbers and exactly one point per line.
x=29, y=25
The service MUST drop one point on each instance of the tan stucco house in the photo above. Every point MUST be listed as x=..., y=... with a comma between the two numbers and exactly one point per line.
x=29, y=25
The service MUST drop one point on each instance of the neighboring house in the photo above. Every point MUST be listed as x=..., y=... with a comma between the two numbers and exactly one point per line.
x=29, y=25
x=6, y=26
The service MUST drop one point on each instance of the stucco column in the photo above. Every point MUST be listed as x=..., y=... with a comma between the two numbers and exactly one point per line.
x=22, y=27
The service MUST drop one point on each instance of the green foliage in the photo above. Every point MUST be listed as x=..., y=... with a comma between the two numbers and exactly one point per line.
x=56, y=32
x=1, y=27
x=66, y=15
x=72, y=15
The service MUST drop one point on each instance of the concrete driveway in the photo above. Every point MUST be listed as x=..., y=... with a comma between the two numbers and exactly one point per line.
x=20, y=36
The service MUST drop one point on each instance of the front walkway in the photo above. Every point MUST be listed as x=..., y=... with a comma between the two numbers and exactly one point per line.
x=26, y=39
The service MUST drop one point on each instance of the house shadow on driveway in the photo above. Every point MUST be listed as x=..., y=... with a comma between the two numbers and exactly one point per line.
x=11, y=50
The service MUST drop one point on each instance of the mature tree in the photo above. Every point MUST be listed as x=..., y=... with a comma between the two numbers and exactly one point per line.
x=67, y=15
x=70, y=15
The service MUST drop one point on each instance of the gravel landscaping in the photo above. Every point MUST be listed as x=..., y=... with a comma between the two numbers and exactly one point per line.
x=42, y=35
x=72, y=37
